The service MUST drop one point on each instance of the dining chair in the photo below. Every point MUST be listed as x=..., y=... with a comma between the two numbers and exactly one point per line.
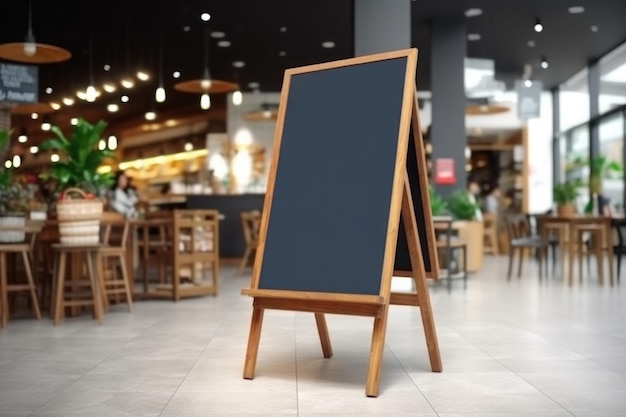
x=522, y=239
x=250, y=223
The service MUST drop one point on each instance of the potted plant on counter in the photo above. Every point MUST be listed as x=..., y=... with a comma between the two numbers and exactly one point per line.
x=470, y=227
x=13, y=200
x=565, y=195
x=80, y=186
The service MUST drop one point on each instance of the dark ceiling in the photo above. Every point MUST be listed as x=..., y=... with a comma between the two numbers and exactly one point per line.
x=126, y=36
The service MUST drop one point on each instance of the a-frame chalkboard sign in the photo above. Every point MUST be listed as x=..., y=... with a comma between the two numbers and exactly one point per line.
x=337, y=187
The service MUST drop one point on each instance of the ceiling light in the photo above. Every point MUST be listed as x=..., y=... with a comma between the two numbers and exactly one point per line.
x=159, y=95
x=239, y=64
x=54, y=157
x=107, y=67
x=112, y=142
x=205, y=17
x=102, y=145
x=576, y=9
x=17, y=161
x=68, y=101
x=34, y=116
x=237, y=98
x=538, y=26
x=528, y=83
x=112, y=108
x=55, y=106
x=34, y=149
x=188, y=147
x=81, y=95
x=205, y=102
x=124, y=99
x=45, y=125
x=531, y=44
x=223, y=44
x=473, y=37
x=205, y=84
x=150, y=115
x=253, y=85
x=109, y=88
x=49, y=90
x=328, y=44
x=22, y=138
x=544, y=63
x=594, y=28
x=126, y=83
x=217, y=35
x=282, y=53
x=283, y=29
x=8, y=163
x=74, y=121
x=176, y=74
x=186, y=28
x=473, y=12
x=143, y=76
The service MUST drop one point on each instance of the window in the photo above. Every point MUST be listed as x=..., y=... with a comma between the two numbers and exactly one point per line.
x=612, y=148
x=613, y=79
x=574, y=101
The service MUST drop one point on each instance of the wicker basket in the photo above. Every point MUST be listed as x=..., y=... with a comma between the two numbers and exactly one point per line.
x=79, y=218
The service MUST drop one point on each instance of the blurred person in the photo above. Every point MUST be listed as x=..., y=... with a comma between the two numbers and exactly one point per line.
x=122, y=197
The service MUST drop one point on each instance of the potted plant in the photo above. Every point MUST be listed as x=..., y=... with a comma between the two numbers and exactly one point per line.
x=438, y=205
x=79, y=184
x=601, y=168
x=470, y=227
x=13, y=200
x=565, y=195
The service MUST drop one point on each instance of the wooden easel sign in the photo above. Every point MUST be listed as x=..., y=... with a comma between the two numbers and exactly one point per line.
x=337, y=188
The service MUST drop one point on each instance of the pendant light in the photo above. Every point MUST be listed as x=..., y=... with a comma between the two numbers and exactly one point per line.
x=30, y=47
x=237, y=97
x=159, y=94
x=205, y=99
x=90, y=93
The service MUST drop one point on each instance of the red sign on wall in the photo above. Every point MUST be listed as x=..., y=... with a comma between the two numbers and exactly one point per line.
x=444, y=171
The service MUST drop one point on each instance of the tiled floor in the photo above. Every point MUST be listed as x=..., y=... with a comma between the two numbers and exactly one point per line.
x=520, y=348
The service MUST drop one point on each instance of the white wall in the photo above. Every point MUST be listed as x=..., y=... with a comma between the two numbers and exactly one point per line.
x=540, y=160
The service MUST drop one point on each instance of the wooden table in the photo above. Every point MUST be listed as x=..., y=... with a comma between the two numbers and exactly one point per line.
x=569, y=247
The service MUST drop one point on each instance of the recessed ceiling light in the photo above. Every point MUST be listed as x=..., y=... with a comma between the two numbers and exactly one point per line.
x=238, y=64
x=538, y=26
x=186, y=28
x=143, y=76
x=124, y=99
x=473, y=36
x=283, y=29
x=176, y=74
x=473, y=12
x=107, y=67
x=282, y=53
x=217, y=35
x=531, y=44
x=205, y=17
x=74, y=121
x=109, y=88
x=34, y=116
x=544, y=63
x=68, y=101
x=223, y=44
x=127, y=83
x=328, y=44
x=49, y=90
x=594, y=28
x=576, y=9
x=34, y=149
x=150, y=115
x=55, y=106
x=112, y=108
x=528, y=83
x=253, y=85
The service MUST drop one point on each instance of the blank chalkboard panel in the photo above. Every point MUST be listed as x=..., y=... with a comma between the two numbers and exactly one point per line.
x=329, y=214
x=416, y=172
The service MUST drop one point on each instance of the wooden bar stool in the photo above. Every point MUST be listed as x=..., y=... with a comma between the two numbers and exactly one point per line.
x=490, y=233
x=25, y=250
x=81, y=292
x=113, y=255
x=250, y=223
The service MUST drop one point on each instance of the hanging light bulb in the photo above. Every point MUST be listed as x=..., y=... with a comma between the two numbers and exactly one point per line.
x=91, y=94
x=205, y=102
x=22, y=138
x=54, y=157
x=112, y=142
x=8, y=164
x=159, y=94
x=30, y=47
x=45, y=125
x=188, y=147
x=102, y=145
x=17, y=161
x=237, y=98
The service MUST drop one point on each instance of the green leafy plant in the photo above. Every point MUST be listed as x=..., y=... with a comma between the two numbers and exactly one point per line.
x=80, y=158
x=13, y=194
x=438, y=206
x=566, y=193
x=601, y=168
x=461, y=207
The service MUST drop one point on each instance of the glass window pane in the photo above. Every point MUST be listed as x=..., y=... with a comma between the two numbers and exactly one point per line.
x=613, y=79
x=574, y=101
x=612, y=148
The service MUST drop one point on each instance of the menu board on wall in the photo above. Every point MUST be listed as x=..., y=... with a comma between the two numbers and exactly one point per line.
x=18, y=83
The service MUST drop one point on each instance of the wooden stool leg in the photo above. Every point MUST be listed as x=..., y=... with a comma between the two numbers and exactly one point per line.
x=581, y=254
x=93, y=272
x=31, y=284
x=129, y=296
x=4, y=295
x=599, y=250
x=100, y=278
x=216, y=278
x=244, y=260
x=59, y=302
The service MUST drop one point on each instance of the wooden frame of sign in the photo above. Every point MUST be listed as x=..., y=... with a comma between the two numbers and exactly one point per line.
x=297, y=267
